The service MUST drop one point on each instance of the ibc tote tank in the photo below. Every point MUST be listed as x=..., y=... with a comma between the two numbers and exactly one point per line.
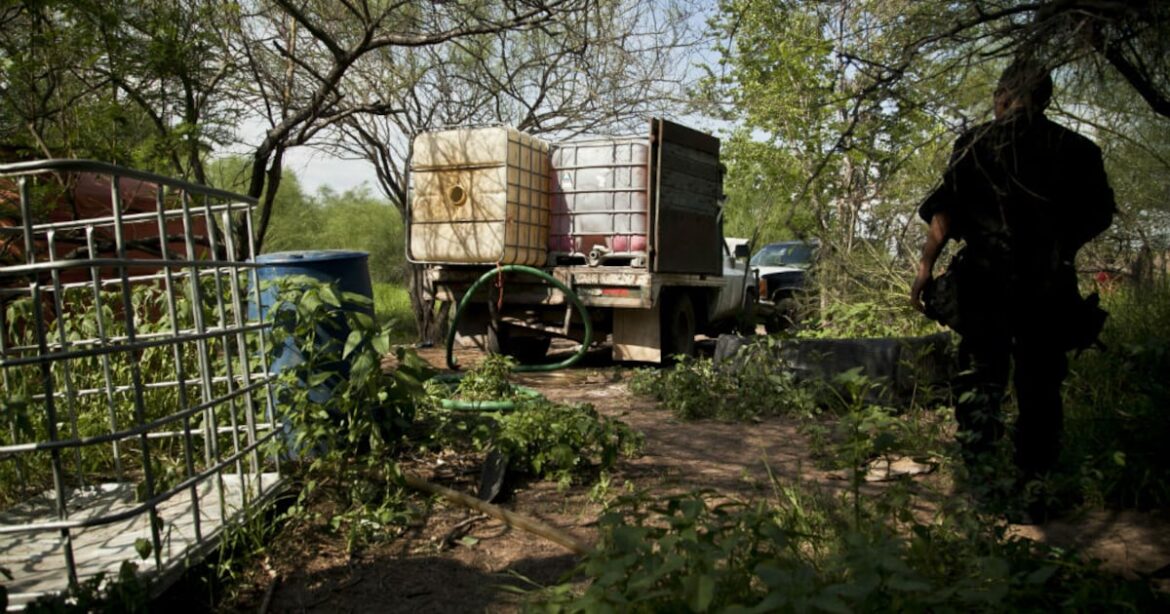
x=601, y=199
x=480, y=196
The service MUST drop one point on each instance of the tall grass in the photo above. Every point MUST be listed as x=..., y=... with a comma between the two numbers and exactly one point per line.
x=1117, y=401
x=392, y=304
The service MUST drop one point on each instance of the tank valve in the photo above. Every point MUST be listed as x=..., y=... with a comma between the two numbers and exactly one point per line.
x=596, y=255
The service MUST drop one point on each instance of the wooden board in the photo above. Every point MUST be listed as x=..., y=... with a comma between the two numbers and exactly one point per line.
x=637, y=335
x=688, y=185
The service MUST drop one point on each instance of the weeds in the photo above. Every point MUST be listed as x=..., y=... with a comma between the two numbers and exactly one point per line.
x=344, y=416
x=805, y=551
x=125, y=592
x=557, y=441
x=488, y=381
x=844, y=427
x=392, y=306
x=697, y=388
x=842, y=319
x=551, y=440
x=1116, y=400
x=348, y=422
x=89, y=405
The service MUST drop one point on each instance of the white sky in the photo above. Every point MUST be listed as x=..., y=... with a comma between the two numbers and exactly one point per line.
x=316, y=169
x=313, y=168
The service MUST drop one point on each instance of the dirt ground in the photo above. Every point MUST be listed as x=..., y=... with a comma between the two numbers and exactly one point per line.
x=457, y=560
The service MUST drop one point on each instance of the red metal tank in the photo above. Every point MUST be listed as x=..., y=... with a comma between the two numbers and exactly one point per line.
x=87, y=199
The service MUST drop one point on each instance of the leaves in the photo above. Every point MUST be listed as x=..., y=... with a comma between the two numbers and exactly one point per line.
x=143, y=547
x=355, y=339
x=688, y=553
x=754, y=384
x=346, y=416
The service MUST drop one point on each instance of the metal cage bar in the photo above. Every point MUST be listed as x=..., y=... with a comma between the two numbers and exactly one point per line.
x=138, y=403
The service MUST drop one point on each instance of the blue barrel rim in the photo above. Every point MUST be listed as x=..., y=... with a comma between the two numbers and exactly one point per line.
x=309, y=255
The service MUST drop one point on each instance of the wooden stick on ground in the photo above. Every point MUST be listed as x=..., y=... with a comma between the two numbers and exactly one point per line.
x=525, y=523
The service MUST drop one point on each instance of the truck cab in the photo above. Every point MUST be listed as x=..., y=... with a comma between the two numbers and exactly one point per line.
x=783, y=269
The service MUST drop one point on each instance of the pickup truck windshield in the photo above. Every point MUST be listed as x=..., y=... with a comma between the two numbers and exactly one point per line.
x=784, y=254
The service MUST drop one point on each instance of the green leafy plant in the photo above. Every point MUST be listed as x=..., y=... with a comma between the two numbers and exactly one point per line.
x=551, y=440
x=488, y=381
x=344, y=415
x=557, y=441
x=392, y=306
x=125, y=592
x=91, y=395
x=1116, y=399
x=844, y=319
x=751, y=386
x=804, y=552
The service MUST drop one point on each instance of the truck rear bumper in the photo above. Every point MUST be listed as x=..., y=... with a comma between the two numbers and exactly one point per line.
x=609, y=287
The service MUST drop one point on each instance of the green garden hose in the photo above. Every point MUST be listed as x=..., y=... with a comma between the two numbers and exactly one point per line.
x=459, y=405
x=452, y=379
x=556, y=283
x=492, y=478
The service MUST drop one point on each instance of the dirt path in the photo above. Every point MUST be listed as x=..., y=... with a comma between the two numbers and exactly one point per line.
x=454, y=561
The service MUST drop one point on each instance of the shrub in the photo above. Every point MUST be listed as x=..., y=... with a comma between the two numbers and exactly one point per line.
x=1116, y=400
x=697, y=388
x=803, y=552
x=551, y=440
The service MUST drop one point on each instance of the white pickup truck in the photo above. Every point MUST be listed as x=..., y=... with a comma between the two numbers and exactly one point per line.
x=633, y=228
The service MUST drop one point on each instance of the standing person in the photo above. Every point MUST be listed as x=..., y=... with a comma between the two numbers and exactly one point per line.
x=1024, y=194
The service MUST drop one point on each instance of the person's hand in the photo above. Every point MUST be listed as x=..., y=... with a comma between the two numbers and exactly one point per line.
x=916, y=290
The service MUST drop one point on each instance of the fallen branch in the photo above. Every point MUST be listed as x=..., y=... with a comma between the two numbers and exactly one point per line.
x=461, y=527
x=513, y=519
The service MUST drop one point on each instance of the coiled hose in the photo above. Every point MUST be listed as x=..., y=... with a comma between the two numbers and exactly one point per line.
x=467, y=298
x=511, y=518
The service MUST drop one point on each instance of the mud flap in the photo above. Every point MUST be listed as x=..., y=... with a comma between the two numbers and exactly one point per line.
x=637, y=335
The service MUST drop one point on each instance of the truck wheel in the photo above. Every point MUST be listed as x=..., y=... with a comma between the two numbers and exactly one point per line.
x=678, y=326
x=783, y=317
x=526, y=350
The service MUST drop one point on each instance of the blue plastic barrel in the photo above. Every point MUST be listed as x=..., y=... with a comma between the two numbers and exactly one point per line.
x=350, y=268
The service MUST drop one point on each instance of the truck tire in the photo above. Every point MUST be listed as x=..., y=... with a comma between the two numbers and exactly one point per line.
x=783, y=317
x=678, y=326
x=526, y=350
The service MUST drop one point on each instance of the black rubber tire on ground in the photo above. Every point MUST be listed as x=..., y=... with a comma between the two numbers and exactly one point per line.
x=783, y=317
x=527, y=350
x=678, y=326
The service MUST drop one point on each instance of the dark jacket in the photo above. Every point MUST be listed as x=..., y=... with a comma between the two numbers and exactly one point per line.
x=1024, y=194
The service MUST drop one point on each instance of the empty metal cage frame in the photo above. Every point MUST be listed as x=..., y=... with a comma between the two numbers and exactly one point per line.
x=135, y=418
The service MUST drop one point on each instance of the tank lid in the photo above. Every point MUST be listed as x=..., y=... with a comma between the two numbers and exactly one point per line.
x=309, y=255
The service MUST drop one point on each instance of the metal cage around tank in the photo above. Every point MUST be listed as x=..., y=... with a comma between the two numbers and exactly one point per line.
x=137, y=403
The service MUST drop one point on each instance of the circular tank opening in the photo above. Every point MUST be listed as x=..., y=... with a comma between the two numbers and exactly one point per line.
x=457, y=195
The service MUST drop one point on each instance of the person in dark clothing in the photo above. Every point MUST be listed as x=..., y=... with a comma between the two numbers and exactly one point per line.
x=1023, y=194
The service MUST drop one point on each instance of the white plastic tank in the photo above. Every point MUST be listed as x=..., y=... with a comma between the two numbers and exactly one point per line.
x=480, y=196
x=601, y=199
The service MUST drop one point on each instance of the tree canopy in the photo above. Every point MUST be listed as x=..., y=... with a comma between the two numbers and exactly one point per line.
x=840, y=113
x=845, y=112
x=160, y=84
